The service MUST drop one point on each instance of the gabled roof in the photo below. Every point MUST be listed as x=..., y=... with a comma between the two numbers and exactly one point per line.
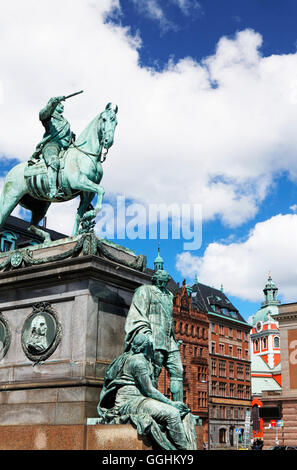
x=214, y=301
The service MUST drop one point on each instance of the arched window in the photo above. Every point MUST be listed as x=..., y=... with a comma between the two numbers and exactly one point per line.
x=264, y=342
x=276, y=342
x=256, y=343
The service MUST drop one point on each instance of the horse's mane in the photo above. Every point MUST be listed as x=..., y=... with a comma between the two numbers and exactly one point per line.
x=90, y=132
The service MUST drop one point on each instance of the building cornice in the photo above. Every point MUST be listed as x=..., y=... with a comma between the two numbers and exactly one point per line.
x=230, y=320
x=285, y=316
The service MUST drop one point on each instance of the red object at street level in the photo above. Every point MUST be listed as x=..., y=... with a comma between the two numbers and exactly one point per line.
x=273, y=423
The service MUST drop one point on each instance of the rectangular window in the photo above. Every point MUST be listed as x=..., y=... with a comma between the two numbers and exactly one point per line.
x=213, y=347
x=230, y=332
x=240, y=393
x=247, y=372
x=213, y=367
x=222, y=389
x=239, y=353
x=222, y=368
x=222, y=349
x=239, y=370
x=230, y=350
x=231, y=389
x=214, y=386
x=221, y=330
x=214, y=412
x=231, y=369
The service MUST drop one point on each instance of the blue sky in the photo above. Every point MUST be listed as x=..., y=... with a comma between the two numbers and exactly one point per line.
x=207, y=95
x=196, y=34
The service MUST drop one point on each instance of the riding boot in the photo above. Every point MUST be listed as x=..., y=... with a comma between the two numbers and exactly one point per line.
x=52, y=181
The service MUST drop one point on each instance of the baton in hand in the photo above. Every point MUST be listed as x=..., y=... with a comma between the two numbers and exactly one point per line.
x=73, y=94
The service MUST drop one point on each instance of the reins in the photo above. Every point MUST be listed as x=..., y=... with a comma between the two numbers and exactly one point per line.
x=89, y=154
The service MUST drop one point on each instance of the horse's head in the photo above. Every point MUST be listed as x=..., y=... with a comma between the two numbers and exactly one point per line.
x=107, y=125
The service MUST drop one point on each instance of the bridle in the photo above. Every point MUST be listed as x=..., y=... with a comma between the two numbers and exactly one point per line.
x=89, y=154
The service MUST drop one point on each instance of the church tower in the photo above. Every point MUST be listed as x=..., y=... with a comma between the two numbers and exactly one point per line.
x=265, y=343
x=159, y=262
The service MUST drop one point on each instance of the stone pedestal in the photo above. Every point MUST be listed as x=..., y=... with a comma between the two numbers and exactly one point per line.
x=111, y=437
x=90, y=296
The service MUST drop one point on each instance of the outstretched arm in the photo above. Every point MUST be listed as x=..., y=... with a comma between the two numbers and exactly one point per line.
x=48, y=110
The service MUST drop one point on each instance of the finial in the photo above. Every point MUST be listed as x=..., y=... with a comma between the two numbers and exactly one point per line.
x=222, y=288
x=158, y=263
x=196, y=279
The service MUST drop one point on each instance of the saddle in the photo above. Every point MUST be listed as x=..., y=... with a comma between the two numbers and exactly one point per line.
x=37, y=179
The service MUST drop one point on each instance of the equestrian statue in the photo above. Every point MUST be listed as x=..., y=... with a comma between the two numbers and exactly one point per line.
x=61, y=168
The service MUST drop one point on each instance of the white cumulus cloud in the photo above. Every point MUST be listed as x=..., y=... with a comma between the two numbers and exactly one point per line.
x=215, y=133
x=243, y=267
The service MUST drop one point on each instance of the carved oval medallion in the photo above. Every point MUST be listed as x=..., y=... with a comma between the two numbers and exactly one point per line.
x=16, y=259
x=41, y=333
x=5, y=336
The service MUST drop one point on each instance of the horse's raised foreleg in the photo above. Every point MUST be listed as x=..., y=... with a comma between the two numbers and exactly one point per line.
x=86, y=185
x=85, y=200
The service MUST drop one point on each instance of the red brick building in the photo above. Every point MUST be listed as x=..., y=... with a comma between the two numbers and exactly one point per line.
x=230, y=367
x=192, y=328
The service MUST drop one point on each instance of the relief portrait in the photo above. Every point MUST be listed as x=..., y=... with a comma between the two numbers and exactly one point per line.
x=41, y=333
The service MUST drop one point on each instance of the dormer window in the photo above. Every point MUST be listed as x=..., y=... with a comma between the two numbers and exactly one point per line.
x=8, y=240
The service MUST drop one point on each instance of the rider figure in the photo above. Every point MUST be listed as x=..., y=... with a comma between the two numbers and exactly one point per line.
x=57, y=136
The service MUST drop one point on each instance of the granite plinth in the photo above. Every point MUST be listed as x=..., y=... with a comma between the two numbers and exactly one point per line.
x=91, y=296
x=76, y=437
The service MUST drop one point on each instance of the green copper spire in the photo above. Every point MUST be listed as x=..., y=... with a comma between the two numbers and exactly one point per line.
x=159, y=262
x=270, y=292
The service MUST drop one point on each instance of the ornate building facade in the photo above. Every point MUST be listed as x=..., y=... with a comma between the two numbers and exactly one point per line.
x=230, y=367
x=266, y=359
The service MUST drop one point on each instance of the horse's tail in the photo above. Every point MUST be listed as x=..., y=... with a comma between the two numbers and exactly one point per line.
x=13, y=190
